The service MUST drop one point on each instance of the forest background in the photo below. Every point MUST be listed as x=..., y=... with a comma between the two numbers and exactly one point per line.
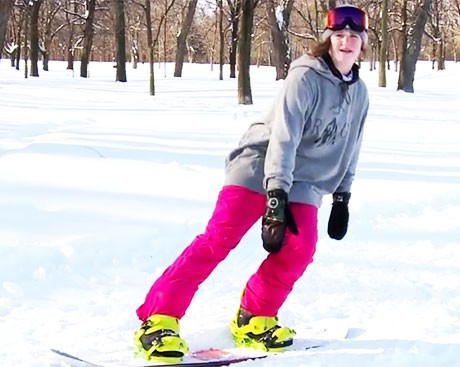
x=235, y=32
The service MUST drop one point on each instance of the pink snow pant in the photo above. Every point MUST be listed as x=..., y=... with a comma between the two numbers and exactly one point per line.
x=236, y=211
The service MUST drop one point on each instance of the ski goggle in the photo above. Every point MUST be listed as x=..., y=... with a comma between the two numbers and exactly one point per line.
x=341, y=17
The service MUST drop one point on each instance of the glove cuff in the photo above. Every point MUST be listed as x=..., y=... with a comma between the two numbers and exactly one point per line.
x=276, y=204
x=341, y=197
x=277, y=193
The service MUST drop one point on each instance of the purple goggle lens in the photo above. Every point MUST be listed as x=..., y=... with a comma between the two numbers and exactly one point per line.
x=338, y=18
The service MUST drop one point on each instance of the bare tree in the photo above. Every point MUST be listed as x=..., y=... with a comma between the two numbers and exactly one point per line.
x=151, y=46
x=13, y=34
x=278, y=19
x=152, y=39
x=384, y=44
x=411, y=50
x=182, y=37
x=120, y=41
x=5, y=11
x=49, y=32
x=26, y=46
x=90, y=8
x=220, y=9
x=20, y=17
x=70, y=18
x=437, y=36
x=34, y=37
x=244, y=51
x=235, y=13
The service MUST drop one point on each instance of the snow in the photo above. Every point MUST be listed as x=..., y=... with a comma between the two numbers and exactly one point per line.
x=103, y=185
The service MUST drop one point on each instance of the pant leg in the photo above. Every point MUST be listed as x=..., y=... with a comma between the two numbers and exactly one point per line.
x=269, y=287
x=237, y=209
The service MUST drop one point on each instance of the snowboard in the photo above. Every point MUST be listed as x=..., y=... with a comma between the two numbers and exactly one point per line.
x=213, y=357
x=203, y=358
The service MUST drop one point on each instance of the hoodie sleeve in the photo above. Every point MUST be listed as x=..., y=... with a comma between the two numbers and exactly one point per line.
x=345, y=185
x=287, y=121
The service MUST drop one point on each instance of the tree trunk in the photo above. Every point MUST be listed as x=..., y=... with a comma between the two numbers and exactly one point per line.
x=70, y=38
x=440, y=53
x=148, y=20
x=182, y=38
x=403, y=44
x=221, y=39
x=152, y=40
x=384, y=45
x=46, y=60
x=22, y=23
x=394, y=44
x=244, y=51
x=279, y=24
x=412, y=50
x=70, y=55
x=120, y=40
x=165, y=39
x=26, y=45
x=34, y=45
x=5, y=11
x=88, y=37
x=49, y=31
x=437, y=34
x=235, y=13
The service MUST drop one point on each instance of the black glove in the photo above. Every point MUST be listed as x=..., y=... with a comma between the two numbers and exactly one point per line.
x=276, y=218
x=338, y=220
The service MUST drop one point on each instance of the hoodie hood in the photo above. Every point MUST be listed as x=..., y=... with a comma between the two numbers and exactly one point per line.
x=317, y=64
x=325, y=67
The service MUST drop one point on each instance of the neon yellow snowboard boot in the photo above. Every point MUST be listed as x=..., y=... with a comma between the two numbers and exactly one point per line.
x=260, y=332
x=158, y=340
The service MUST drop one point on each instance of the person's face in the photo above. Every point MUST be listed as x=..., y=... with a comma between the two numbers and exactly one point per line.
x=345, y=49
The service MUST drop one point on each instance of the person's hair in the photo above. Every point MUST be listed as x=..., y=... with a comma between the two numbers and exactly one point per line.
x=321, y=48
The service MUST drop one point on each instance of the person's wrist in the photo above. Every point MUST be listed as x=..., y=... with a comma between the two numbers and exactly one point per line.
x=341, y=197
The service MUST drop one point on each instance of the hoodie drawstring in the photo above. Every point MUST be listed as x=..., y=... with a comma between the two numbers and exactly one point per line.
x=344, y=96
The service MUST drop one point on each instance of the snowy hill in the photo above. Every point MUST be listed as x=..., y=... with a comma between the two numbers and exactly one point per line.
x=102, y=186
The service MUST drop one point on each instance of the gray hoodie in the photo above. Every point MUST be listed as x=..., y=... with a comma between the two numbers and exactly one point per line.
x=308, y=144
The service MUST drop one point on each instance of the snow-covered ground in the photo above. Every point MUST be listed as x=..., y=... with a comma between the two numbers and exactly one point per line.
x=103, y=185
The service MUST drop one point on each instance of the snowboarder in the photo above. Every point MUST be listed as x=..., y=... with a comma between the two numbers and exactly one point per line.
x=307, y=146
